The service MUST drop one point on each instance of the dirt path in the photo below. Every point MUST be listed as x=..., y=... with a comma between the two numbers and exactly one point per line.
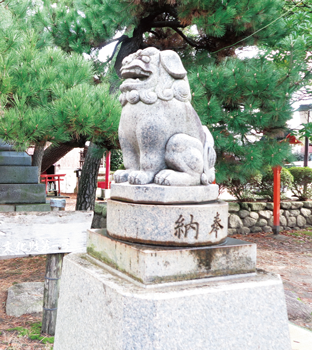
x=290, y=256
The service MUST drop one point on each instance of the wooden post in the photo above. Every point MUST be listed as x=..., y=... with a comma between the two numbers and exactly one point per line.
x=52, y=277
x=276, y=199
x=107, y=172
x=51, y=292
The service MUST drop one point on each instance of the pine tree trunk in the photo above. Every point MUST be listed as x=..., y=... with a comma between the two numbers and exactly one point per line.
x=37, y=158
x=88, y=181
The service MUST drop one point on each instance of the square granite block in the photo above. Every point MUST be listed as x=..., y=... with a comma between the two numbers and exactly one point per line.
x=14, y=158
x=152, y=264
x=22, y=193
x=157, y=194
x=12, y=174
x=100, y=310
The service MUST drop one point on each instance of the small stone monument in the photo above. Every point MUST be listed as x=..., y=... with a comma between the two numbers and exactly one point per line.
x=19, y=188
x=164, y=275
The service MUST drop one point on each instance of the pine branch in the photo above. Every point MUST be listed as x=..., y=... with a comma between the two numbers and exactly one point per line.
x=121, y=39
x=188, y=40
x=107, y=42
x=155, y=33
x=170, y=24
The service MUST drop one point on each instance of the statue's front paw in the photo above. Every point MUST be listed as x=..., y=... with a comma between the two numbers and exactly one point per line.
x=140, y=177
x=121, y=176
x=163, y=177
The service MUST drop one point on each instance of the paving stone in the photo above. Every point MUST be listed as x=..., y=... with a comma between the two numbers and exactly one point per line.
x=307, y=204
x=270, y=206
x=24, y=298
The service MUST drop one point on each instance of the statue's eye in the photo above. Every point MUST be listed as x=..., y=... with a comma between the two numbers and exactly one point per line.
x=145, y=59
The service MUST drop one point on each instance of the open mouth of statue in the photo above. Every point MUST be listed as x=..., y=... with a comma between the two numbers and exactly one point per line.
x=137, y=74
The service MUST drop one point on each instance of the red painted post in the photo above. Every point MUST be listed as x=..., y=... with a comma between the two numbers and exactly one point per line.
x=276, y=199
x=107, y=172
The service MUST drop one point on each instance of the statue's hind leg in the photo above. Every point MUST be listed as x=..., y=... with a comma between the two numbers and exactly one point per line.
x=184, y=160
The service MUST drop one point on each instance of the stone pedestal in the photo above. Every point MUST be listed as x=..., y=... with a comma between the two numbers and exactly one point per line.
x=172, y=225
x=19, y=188
x=150, y=264
x=198, y=220
x=165, y=276
x=102, y=310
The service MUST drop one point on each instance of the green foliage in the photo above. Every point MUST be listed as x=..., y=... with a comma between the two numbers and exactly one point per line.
x=46, y=94
x=242, y=190
x=246, y=103
x=116, y=160
x=302, y=185
x=306, y=130
x=265, y=187
x=33, y=333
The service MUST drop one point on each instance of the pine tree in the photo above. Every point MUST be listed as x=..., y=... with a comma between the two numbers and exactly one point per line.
x=244, y=102
x=48, y=95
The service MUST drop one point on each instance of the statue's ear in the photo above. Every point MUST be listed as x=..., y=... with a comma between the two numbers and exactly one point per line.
x=172, y=63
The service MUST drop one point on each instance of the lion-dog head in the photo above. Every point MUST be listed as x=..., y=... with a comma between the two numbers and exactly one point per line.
x=151, y=74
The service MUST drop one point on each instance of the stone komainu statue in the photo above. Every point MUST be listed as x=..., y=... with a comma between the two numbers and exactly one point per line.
x=160, y=133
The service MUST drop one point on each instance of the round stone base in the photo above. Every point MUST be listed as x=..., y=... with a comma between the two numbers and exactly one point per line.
x=174, y=225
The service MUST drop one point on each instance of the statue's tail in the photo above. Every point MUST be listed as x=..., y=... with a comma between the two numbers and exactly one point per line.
x=208, y=176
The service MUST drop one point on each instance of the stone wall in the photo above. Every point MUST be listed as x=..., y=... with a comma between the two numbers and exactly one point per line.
x=258, y=216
